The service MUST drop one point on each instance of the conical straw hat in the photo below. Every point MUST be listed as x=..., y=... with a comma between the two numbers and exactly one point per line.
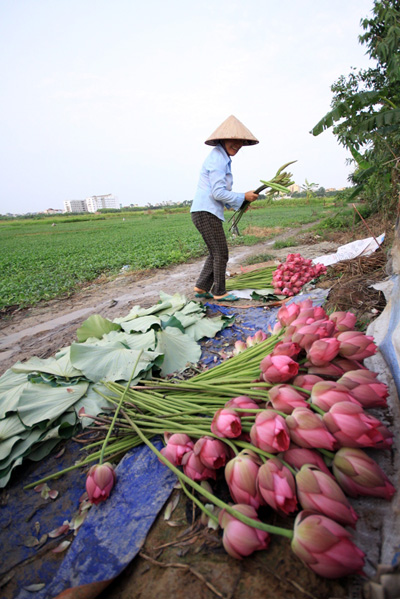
x=231, y=128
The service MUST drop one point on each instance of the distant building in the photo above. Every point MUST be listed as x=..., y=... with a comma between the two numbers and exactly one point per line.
x=330, y=189
x=75, y=206
x=95, y=203
x=294, y=188
x=52, y=211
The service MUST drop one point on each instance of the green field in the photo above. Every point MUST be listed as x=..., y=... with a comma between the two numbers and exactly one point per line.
x=39, y=261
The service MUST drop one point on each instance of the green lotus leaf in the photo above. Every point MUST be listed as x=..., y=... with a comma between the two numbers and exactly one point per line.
x=141, y=324
x=96, y=326
x=178, y=348
x=11, y=426
x=11, y=386
x=110, y=362
x=61, y=367
x=41, y=403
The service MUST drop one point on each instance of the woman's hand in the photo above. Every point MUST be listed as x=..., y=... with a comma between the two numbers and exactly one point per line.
x=250, y=196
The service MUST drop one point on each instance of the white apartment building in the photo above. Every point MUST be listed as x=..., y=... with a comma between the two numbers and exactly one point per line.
x=95, y=203
x=75, y=206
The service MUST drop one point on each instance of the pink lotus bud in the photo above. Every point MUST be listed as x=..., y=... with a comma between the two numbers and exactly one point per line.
x=226, y=423
x=99, y=482
x=320, y=493
x=239, y=347
x=277, y=487
x=269, y=432
x=194, y=468
x=365, y=388
x=306, y=335
x=213, y=453
x=356, y=346
x=323, y=351
x=257, y=338
x=241, y=540
x=285, y=399
x=330, y=370
x=358, y=474
x=325, y=546
x=345, y=321
x=352, y=427
x=345, y=365
x=177, y=445
x=288, y=313
x=278, y=369
x=307, y=429
x=306, y=381
x=286, y=349
x=243, y=403
x=298, y=456
x=326, y=393
x=241, y=477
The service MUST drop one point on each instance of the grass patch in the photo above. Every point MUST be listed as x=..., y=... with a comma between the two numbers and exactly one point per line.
x=285, y=243
x=258, y=258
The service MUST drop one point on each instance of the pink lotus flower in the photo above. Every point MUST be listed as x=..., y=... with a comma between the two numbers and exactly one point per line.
x=332, y=370
x=213, y=453
x=226, y=424
x=194, y=468
x=278, y=369
x=306, y=381
x=352, y=427
x=285, y=399
x=320, y=493
x=99, y=482
x=307, y=334
x=288, y=348
x=323, y=351
x=243, y=402
x=356, y=346
x=325, y=546
x=365, y=388
x=277, y=487
x=298, y=456
x=326, y=393
x=239, y=347
x=257, y=338
x=358, y=474
x=345, y=364
x=269, y=432
x=177, y=445
x=307, y=430
x=241, y=540
x=241, y=476
x=288, y=313
x=344, y=321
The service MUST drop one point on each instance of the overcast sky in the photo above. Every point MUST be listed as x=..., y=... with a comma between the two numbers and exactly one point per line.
x=118, y=96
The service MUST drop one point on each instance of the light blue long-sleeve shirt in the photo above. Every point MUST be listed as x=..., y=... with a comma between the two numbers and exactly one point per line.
x=214, y=190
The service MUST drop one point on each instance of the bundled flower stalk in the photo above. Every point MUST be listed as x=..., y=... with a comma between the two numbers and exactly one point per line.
x=278, y=184
x=286, y=421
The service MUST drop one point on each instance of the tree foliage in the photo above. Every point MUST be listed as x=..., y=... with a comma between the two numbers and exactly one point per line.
x=365, y=114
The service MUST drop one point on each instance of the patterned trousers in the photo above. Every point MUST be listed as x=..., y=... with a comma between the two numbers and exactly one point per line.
x=212, y=276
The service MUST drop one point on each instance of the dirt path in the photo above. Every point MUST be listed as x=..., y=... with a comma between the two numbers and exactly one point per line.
x=41, y=331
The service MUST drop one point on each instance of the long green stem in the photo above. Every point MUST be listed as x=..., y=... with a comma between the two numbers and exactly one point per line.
x=118, y=409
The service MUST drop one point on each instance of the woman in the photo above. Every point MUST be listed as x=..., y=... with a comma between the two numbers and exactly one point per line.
x=214, y=193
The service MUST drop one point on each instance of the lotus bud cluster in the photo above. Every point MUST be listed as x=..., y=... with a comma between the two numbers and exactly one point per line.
x=295, y=441
x=296, y=271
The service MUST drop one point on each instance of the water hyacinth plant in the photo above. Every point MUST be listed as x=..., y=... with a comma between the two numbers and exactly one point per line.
x=279, y=434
